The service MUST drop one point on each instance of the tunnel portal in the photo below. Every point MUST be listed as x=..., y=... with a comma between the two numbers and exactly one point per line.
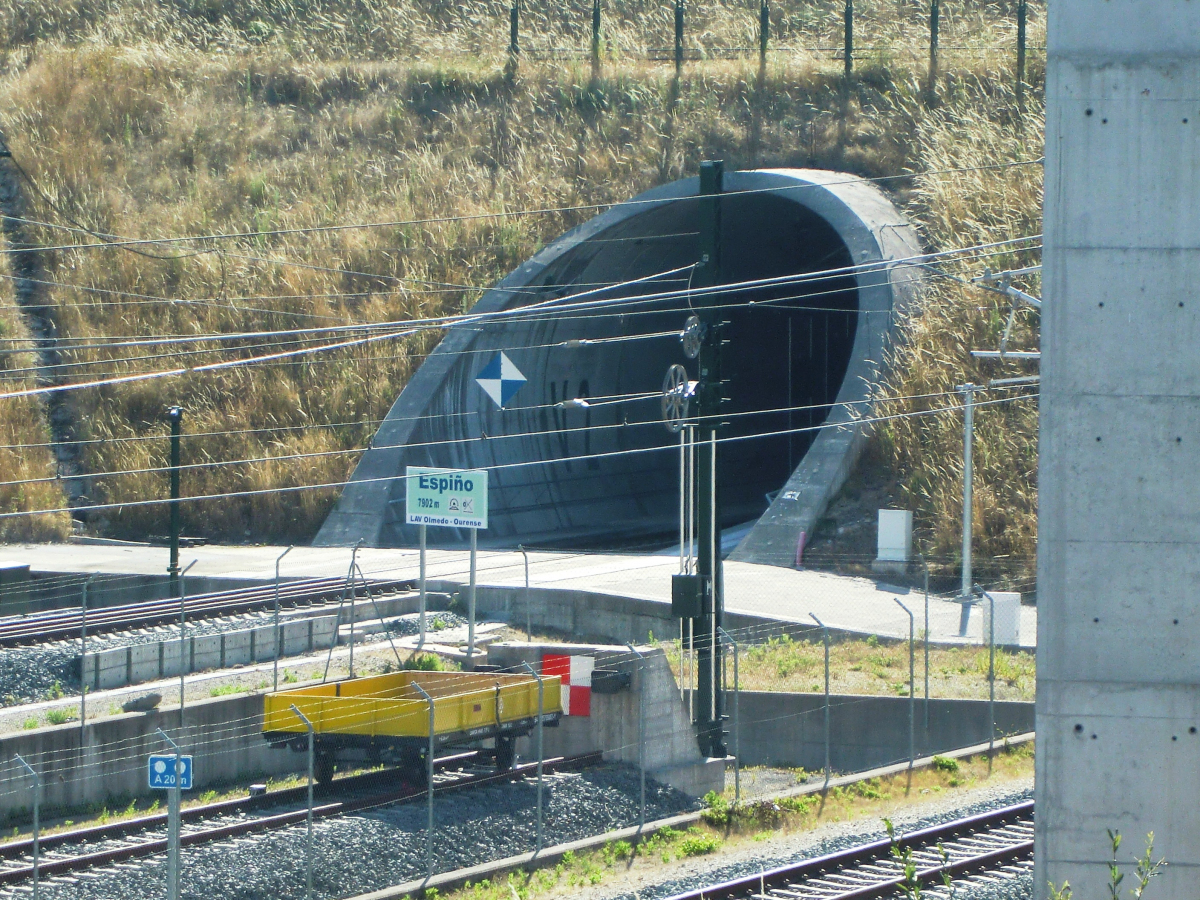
x=593, y=317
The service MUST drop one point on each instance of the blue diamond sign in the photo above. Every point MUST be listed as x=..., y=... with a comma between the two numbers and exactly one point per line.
x=500, y=379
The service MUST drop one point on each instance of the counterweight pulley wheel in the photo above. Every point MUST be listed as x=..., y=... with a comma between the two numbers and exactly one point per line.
x=676, y=394
x=692, y=336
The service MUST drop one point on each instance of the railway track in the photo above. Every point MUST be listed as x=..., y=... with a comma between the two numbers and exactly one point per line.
x=63, y=623
x=108, y=845
x=993, y=846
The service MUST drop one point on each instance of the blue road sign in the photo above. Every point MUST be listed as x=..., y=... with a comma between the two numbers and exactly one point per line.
x=500, y=379
x=162, y=772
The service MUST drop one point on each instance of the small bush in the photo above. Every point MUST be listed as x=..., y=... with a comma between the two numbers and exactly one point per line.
x=31, y=722
x=223, y=690
x=59, y=716
x=945, y=764
x=426, y=662
x=697, y=843
x=716, y=810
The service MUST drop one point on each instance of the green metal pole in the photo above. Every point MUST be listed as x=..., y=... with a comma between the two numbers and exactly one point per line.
x=678, y=37
x=595, y=35
x=764, y=31
x=175, y=417
x=849, y=35
x=709, y=398
x=934, y=11
x=1021, y=11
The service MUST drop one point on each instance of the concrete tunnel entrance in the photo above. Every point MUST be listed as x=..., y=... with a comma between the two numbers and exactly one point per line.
x=793, y=350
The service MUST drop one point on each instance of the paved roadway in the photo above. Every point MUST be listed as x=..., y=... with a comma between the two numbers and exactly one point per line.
x=848, y=602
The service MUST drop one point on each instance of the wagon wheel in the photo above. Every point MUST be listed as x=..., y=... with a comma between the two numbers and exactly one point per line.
x=325, y=764
x=506, y=753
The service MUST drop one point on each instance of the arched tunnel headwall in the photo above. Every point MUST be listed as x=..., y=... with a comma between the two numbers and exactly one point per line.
x=607, y=475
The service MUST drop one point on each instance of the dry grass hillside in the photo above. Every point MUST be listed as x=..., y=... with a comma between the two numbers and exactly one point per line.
x=190, y=117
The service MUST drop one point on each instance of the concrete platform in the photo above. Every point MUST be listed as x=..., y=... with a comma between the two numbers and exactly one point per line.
x=849, y=603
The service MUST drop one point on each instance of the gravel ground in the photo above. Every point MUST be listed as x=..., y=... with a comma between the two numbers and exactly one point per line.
x=831, y=839
x=365, y=852
x=37, y=673
x=29, y=674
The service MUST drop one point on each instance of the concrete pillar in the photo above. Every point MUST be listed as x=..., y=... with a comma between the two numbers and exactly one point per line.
x=1118, y=702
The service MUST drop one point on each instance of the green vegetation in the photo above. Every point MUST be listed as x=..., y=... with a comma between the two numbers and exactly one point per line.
x=426, y=662
x=59, y=716
x=872, y=666
x=225, y=690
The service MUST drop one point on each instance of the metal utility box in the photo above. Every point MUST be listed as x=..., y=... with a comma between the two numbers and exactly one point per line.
x=688, y=595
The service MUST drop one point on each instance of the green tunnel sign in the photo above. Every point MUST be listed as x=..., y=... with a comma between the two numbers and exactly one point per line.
x=456, y=498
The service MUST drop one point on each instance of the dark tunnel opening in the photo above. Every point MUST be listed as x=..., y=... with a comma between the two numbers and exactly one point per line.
x=786, y=359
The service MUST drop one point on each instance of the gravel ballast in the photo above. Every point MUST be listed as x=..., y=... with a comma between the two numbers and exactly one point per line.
x=368, y=851
x=850, y=835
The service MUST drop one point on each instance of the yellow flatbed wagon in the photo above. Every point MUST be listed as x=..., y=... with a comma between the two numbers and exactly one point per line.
x=384, y=719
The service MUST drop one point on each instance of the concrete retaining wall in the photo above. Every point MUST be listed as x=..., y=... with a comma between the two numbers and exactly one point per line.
x=149, y=662
x=778, y=729
x=672, y=753
x=222, y=734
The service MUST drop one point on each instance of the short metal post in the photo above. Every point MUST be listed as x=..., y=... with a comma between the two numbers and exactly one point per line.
x=183, y=636
x=737, y=731
x=678, y=37
x=641, y=732
x=174, y=798
x=528, y=626
x=278, y=642
x=471, y=601
x=424, y=597
x=37, y=825
x=514, y=44
x=540, y=750
x=308, y=860
x=83, y=685
x=429, y=783
x=912, y=699
x=968, y=392
x=825, y=632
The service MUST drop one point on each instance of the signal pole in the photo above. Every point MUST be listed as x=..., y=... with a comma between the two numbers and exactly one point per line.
x=709, y=697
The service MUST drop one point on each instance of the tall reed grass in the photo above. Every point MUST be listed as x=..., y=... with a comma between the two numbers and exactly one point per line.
x=199, y=116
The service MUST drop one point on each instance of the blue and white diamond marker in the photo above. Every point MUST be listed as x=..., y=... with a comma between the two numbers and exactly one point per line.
x=500, y=379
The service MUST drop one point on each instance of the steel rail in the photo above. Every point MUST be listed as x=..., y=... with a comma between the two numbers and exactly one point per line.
x=150, y=847
x=864, y=862
x=65, y=623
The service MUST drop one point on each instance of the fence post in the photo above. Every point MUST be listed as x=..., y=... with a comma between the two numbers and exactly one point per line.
x=933, y=44
x=182, y=635
x=737, y=731
x=528, y=618
x=1021, y=9
x=173, y=802
x=278, y=639
x=540, y=749
x=925, y=566
x=825, y=632
x=83, y=680
x=37, y=830
x=912, y=700
x=991, y=669
x=429, y=785
x=849, y=35
x=678, y=37
x=764, y=31
x=308, y=864
x=641, y=732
